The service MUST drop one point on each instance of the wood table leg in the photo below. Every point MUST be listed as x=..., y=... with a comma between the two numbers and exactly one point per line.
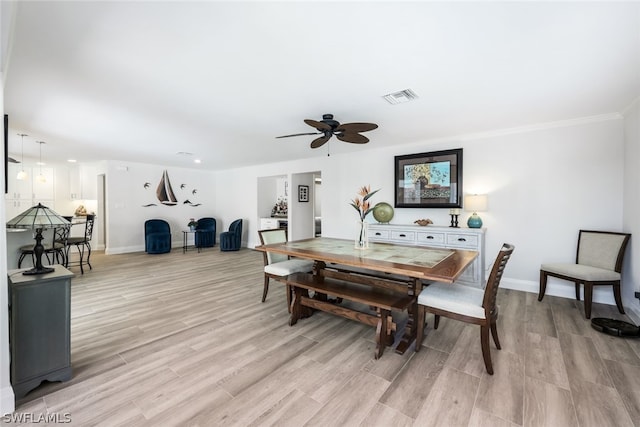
x=381, y=332
x=409, y=336
x=391, y=329
x=295, y=306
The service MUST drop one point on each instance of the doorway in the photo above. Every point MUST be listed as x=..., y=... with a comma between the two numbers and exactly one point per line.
x=101, y=219
x=304, y=206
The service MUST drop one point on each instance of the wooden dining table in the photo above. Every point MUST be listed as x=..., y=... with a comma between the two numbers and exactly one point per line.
x=410, y=266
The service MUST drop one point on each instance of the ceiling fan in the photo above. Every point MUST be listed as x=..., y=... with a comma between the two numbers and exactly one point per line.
x=327, y=127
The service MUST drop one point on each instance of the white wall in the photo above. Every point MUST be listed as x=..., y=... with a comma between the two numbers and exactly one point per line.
x=7, y=15
x=126, y=197
x=631, y=212
x=301, y=218
x=6, y=392
x=543, y=185
x=267, y=195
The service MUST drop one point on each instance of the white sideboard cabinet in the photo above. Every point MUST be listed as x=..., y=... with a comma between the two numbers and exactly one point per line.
x=272, y=223
x=438, y=237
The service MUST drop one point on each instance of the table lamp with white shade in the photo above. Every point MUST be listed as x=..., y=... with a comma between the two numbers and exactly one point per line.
x=475, y=203
x=38, y=218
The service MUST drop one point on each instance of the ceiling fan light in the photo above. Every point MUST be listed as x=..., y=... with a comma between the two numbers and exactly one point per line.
x=41, y=178
x=22, y=175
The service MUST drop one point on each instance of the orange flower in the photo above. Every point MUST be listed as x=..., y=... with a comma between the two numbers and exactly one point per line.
x=363, y=206
x=364, y=191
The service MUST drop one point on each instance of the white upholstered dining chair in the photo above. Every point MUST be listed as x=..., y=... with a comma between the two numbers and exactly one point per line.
x=598, y=262
x=467, y=304
x=279, y=266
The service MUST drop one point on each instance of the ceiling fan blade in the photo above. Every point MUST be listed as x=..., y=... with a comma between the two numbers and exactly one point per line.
x=319, y=142
x=354, y=138
x=356, y=127
x=12, y=160
x=318, y=125
x=299, y=134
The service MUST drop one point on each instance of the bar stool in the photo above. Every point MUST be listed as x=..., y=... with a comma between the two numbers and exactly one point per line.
x=81, y=243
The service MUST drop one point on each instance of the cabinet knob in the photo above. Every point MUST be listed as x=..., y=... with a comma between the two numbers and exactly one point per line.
x=378, y=234
x=403, y=235
x=430, y=237
x=462, y=239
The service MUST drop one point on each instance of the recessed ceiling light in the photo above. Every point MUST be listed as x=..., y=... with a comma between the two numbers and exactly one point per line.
x=197, y=161
x=71, y=160
x=184, y=153
x=400, y=97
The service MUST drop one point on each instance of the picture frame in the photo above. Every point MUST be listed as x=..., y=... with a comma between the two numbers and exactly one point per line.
x=303, y=193
x=429, y=180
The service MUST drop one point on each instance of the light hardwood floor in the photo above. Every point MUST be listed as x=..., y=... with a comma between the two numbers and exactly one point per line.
x=183, y=339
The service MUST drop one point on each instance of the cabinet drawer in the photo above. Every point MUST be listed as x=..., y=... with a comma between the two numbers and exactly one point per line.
x=430, y=238
x=379, y=234
x=268, y=223
x=462, y=240
x=405, y=236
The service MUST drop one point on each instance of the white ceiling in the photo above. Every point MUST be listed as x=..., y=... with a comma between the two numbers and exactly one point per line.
x=141, y=81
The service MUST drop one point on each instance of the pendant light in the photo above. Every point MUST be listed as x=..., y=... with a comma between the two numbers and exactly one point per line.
x=22, y=175
x=41, y=178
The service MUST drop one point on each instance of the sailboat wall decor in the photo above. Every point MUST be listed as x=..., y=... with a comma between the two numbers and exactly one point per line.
x=166, y=195
x=165, y=192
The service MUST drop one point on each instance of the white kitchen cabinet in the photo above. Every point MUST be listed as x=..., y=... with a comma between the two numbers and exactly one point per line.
x=75, y=185
x=268, y=223
x=29, y=192
x=43, y=190
x=82, y=182
x=273, y=223
x=438, y=237
x=14, y=207
x=19, y=189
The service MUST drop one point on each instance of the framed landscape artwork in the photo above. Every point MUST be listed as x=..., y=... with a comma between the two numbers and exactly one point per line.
x=429, y=180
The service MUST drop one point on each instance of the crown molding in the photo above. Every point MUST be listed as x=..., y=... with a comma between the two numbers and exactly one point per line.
x=541, y=126
x=629, y=107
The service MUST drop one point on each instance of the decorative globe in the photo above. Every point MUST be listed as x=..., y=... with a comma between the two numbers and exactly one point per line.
x=383, y=212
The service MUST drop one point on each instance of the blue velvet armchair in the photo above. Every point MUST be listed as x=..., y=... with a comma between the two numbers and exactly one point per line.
x=206, y=233
x=230, y=240
x=157, y=236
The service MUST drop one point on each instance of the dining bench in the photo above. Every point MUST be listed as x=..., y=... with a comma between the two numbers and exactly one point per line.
x=381, y=300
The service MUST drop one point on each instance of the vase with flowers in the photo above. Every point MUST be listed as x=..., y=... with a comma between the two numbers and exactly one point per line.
x=363, y=207
x=192, y=224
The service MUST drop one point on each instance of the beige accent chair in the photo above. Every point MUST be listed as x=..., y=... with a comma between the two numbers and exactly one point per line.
x=279, y=266
x=467, y=304
x=598, y=262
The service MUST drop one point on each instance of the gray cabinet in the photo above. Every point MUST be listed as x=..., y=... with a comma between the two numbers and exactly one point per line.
x=39, y=328
x=439, y=237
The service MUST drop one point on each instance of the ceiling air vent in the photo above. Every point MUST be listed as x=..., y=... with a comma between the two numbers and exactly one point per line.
x=400, y=97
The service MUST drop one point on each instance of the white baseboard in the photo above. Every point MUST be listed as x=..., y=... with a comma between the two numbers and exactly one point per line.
x=123, y=250
x=558, y=289
x=633, y=313
x=564, y=289
x=7, y=401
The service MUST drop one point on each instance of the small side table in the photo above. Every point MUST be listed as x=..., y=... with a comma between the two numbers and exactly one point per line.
x=185, y=240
